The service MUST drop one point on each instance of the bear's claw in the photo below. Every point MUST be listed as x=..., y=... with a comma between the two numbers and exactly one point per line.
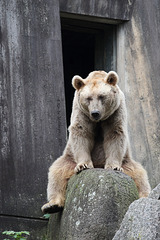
x=114, y=167
x=82, y=166
x=118, y=169
x=47, y=208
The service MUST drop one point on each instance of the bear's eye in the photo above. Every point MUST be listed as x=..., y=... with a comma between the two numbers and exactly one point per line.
x=101, y=97
x=89, y=99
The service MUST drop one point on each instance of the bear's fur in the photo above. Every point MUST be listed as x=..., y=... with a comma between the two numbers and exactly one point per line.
x=97, y=137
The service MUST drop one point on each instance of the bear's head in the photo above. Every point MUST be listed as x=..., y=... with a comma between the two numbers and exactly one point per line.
x=98, y=95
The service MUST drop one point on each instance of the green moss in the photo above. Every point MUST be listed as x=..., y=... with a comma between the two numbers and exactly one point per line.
x=92, y=196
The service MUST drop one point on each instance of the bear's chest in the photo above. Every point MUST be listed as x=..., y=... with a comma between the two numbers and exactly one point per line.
x=98, y=134
x=97, y=154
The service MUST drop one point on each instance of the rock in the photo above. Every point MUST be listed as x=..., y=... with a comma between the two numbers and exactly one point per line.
x=142, y=220
x=155, y=193
x=96, y=202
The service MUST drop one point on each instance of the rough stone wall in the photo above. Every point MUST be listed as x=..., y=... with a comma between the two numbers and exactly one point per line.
x=138, y=64
x=118, y=9
x=32, y=110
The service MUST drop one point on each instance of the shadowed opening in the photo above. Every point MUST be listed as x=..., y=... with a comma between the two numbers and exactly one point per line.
x=87, y=46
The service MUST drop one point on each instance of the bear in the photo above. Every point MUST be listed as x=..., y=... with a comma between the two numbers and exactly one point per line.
x=98, y=137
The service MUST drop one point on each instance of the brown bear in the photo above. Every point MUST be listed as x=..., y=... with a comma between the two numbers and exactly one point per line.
x=98, y=137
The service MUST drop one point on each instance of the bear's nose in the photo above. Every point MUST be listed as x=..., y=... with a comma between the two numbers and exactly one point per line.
x=95, y=114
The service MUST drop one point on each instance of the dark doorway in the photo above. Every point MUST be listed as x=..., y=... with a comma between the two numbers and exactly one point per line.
x=86, y=47
x=78, y=59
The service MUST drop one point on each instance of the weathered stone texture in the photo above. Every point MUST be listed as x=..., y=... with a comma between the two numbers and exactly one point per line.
x=142, y=220
x=96, y=202
x=155, y=194
x=138, y=66
x=119, y=10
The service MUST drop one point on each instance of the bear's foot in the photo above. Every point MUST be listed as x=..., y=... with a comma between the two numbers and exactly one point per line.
x=114, y=167
x=82, y=166
x=49, y=208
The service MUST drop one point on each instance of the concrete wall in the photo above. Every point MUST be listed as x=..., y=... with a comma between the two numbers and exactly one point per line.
x=32, y=110
x=138, y=64
x=117, y=10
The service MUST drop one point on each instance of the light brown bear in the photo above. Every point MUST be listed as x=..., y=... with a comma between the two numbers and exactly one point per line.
x=98, y=137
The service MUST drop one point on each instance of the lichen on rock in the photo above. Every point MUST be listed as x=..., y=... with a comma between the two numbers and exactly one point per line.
x=96, y=202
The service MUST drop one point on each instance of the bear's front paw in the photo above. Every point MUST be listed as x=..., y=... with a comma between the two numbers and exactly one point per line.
x=82, y=166
x=114, y=167
x=51, y=208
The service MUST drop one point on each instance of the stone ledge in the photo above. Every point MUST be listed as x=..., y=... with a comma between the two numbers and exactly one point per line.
x=119, y=10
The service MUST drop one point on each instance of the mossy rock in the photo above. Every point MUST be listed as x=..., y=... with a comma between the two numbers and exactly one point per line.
x=96, y=202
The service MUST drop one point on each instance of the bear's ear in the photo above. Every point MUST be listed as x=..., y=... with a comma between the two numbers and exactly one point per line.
x=77, y=82
x=112, y=78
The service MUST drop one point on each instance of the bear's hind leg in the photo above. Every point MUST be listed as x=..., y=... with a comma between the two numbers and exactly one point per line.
x=59, y=173
x=139, y=175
